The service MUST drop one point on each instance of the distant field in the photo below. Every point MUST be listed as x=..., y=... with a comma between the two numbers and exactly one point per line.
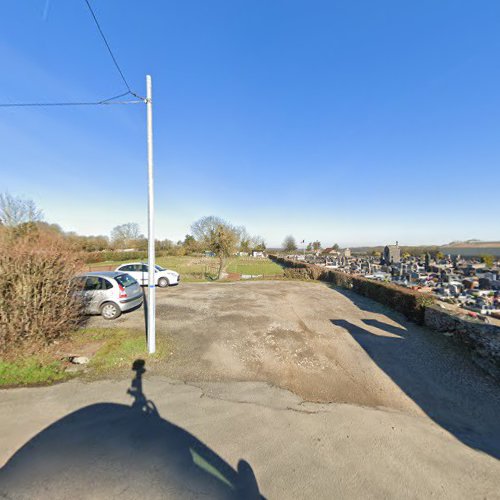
x=195, y=267
x=244, y=265
x=465, y=249
x=471, y=251
x=190, y=268
x=473, y=244
x=202, y=268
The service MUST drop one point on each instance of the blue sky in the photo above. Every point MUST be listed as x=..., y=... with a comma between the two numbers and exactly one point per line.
x=356, y=122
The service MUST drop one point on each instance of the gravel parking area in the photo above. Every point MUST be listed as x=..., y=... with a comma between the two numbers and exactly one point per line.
x=291, y=389
x=322, y=344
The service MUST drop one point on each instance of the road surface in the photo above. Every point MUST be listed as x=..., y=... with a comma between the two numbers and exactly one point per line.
x=280, y=389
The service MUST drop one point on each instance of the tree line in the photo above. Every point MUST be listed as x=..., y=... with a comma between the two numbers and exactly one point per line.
x=19, y=217
x=290, y=245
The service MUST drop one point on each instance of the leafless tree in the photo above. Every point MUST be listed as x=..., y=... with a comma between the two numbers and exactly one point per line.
x=126, y=235
x=15, y=211
x=258, y=243
x=204, y=227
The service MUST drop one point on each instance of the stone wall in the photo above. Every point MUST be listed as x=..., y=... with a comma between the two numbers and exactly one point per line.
x=481, y=339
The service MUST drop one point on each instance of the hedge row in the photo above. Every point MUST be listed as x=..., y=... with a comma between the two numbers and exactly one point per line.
x=408, y=302
x=38, y=303
x=93, y=257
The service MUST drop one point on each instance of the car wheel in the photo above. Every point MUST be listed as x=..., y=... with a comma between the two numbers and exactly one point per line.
x=110, y=310
x=163, y=282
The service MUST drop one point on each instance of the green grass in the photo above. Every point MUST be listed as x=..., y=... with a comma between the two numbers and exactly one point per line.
x=192, y=268
x=31, y=371
x=117, y=349
x=189, y=267
x=120, y=348
x=248, y=265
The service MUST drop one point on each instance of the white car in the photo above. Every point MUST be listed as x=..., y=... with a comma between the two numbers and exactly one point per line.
x=139, y=271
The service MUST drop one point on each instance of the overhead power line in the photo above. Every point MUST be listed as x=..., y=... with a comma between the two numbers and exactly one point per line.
x=42, y=104
x=103, y=102
x=110, y=51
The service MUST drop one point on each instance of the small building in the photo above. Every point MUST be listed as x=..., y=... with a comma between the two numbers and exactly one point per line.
x=258, y=254
x=346, y=253
x=392, y=254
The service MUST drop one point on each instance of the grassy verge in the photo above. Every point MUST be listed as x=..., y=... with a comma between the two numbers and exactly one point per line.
x=111, y=351
x=31, y=371
x=119, y=348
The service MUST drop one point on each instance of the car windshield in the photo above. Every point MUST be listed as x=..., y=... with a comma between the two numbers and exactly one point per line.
x=159, y=268
x=125, y=280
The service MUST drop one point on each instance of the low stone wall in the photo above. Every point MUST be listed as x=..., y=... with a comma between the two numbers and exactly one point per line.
x=481, y=339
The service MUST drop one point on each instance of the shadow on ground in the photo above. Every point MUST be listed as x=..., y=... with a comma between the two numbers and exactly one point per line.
x=107, y=449
x=439, y=377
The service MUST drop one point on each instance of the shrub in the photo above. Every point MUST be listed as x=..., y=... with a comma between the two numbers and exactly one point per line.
x=37, y=299
x=408, y=302
x=296, y=274
x=340, y=279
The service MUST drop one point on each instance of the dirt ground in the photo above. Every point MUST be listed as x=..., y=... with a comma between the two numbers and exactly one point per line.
x=322, y=344
x=325, y=346
x=324, y=393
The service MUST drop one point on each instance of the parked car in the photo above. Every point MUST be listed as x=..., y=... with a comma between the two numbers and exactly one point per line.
x=109, y=293
x=139, y=271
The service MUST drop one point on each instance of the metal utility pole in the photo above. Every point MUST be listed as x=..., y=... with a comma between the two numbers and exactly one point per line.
x=151, y=320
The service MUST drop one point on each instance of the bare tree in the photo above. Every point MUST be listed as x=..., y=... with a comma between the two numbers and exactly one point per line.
x=15, y=211
x=258, y=243
x=289, y=244
x=218, y=236
x=125, y=235
x=203, y=227
x=245, y=240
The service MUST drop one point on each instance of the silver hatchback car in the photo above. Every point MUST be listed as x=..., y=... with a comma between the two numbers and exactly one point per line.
x=109, y=293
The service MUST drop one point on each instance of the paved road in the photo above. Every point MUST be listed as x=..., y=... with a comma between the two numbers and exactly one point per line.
x=285, y=388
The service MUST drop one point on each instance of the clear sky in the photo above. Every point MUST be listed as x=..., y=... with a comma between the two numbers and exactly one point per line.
x=357, y=122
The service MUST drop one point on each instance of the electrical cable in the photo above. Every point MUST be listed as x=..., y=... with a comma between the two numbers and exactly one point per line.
x=110, y=51
x=108, y=101
x=104, y=102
